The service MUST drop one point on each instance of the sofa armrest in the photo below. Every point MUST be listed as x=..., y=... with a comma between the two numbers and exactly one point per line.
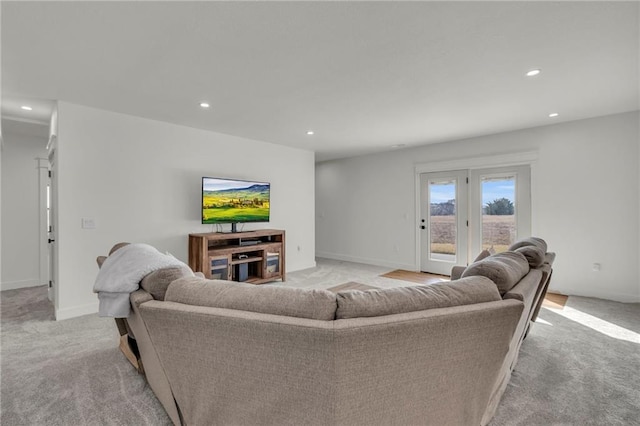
x=100, y=260
x=140, y=296
x=136, y=298
x=549, y=257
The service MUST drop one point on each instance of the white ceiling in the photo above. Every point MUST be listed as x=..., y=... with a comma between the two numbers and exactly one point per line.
x=363, y=75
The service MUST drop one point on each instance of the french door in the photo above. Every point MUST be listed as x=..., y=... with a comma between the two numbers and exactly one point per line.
x=500, y=213
x=466, y=211
x=443, y=221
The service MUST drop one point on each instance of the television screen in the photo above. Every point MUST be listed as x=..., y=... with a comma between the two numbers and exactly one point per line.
x=234, y=201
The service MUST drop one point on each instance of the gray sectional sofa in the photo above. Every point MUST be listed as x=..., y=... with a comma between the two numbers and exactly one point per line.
x=529, y=259
x=218, y=352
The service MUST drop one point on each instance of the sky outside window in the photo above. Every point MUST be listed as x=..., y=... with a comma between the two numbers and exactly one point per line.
x=492, y=189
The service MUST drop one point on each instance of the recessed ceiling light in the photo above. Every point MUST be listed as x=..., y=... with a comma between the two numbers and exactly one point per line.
x=400, y=145
x=26, y=108
x=204, y=105
x=553, y=114
x=533, y=73
x=310, y=133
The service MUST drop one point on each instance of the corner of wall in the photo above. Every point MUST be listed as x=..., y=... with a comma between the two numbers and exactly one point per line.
x=638, y=140
x=76, y=311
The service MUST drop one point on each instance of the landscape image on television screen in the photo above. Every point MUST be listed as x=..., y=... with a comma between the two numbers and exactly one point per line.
x=228, y=201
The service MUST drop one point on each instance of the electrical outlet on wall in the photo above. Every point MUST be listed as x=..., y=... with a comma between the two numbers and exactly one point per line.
x=88, y=223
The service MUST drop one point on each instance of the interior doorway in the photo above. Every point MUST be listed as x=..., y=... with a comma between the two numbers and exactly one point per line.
x=51, y=212
x=463, y=212
x=43, y=224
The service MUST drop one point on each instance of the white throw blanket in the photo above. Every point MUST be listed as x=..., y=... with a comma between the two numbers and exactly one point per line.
x=121, y=274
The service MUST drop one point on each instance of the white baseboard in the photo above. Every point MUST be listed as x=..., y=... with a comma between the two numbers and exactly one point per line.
x=366, y=260
x=300, y=267
x=607, y=295
x=12, y=285
x=77, y=311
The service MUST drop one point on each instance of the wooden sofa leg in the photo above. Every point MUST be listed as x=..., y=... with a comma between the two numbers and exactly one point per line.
x=128, y=345
x=541, y=298
x=121, y=323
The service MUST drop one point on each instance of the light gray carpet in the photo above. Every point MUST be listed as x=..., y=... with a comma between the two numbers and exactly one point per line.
x=68, y=372
x=571, y=373
x=72, y=373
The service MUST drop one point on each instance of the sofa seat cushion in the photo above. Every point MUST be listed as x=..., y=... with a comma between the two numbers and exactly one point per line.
x=266, y=299
x=504, y=269
x=371, y=303
x=531, y=241
x=534, y=254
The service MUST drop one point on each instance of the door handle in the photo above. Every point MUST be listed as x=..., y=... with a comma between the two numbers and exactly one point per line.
x=50, y=240
x=422, y=227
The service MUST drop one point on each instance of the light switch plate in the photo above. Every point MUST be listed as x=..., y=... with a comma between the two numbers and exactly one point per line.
x=88, y=223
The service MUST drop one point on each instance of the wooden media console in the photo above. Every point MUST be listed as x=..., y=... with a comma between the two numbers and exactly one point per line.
x=254, y=257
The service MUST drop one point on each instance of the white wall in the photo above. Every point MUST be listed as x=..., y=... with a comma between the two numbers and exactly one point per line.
x=20, y=210
x=1, y=151
x=585, y=194
x=140, y=180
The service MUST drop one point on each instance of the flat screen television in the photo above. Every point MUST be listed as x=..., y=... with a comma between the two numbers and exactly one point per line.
x=234, y=201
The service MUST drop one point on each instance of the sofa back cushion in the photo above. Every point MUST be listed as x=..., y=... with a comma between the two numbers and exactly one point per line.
x=534, y=254
x=157, y=282
x=531, y=241
x=371, y=303
x=504, y=269
x=483, y=255
x=269, y=299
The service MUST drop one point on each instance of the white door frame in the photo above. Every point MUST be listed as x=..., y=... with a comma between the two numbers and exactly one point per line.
x=503, y=160
x=53, y=203
x=438, y=264
x=522, y=202
x=43, y=182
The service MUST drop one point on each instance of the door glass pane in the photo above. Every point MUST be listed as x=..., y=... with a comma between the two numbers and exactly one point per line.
x=442, y=220
x=48, y=208
x=498, y=212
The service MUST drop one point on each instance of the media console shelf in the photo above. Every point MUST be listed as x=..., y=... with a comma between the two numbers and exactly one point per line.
x=254, y=257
